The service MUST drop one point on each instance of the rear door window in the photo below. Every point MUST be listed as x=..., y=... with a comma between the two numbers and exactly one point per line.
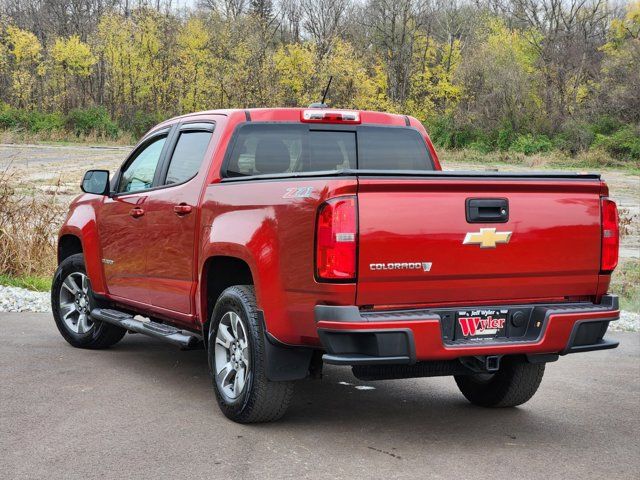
x=187, y=156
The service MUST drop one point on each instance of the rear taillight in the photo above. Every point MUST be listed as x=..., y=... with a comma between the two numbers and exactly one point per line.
x=610, y=236
x=336, y=239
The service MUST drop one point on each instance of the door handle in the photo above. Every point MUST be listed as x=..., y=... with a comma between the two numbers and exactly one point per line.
x=487, y=210
x=182, y=209
x=136, y=212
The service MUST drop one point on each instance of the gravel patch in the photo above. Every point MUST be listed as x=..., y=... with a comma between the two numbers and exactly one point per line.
x=629, y=322
x=14, y=299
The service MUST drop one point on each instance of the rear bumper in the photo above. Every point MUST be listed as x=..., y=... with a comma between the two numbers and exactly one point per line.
x=352, y=337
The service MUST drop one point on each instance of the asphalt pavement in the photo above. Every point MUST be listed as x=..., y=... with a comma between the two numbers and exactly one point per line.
x=144, y=409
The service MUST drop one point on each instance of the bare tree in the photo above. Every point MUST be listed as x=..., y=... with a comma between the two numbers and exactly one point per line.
x=51, y=18
x=395, y=26
x=567, y=35
x=291, y=20
x=229, y=9
x=323, y=21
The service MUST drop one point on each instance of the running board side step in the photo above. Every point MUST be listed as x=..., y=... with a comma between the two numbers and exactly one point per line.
x=168, y=333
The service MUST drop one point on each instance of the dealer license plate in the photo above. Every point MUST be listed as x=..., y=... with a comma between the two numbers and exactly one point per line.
x=481, y=324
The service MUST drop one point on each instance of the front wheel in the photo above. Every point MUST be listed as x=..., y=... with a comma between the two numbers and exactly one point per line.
x=514, y=384
x=237, y=361
x=71, y=303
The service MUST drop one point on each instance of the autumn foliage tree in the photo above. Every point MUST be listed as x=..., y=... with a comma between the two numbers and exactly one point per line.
x=480, y=73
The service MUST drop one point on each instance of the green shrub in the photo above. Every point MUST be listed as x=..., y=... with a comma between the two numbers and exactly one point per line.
x=7, y=117
x=440, y=130
x=33, y=121
x=91, y=120
x=626, y=283
x=444, y=132
x=605, y=125
x=530, y=144
x=623, y=144
x=481, y=146
x=575, y=137
x=142, y=121
x=45, y=122
x=505, y=138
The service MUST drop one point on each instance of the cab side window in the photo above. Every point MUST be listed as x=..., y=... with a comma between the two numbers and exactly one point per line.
x=138, y=174
x=187, y=156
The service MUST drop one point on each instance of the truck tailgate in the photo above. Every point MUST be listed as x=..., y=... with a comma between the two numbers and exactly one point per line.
x=412, y=246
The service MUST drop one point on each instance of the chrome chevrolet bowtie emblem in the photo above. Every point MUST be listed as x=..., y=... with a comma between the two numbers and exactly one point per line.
x=486, y=238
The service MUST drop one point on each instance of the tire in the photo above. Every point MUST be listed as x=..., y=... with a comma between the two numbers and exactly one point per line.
x=71, y=316
x=237, y=361
x=514, y=384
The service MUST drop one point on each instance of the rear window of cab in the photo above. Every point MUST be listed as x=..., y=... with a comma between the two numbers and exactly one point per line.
x=266, y=149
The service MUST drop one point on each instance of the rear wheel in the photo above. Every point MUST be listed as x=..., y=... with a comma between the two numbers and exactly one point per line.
x=71, y=302
x=514, y=384
x=237, y=361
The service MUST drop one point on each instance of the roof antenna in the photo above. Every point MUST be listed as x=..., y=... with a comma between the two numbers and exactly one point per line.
x=324, y=96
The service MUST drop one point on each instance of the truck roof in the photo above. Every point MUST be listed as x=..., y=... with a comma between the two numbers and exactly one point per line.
x=294, y=115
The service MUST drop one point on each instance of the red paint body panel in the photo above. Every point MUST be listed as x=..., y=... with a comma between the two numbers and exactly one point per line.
x=81, y=223
x=275, y=236
x=159, y=257
x=554, y=246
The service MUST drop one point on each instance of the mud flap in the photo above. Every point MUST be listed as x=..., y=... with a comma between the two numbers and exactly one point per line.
x=284, y=362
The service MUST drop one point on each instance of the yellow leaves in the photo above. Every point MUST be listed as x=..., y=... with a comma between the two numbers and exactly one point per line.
x=582, y=93
x=193, y=37
x=23, y=52
x=632, y=19
x=294, y=65
x=73, y=56
x=511, y=46
x=135, y=50
x=434, y=89
x=302, y=76
x=623, y=30
x=194, y=65
x=3, y=58
x=22, y=83
x=352, y=86
x=24, y=46
x=623, y=48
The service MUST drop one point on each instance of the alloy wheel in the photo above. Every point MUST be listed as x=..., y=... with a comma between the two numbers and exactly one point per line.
x=74, y=303
x=232, y=358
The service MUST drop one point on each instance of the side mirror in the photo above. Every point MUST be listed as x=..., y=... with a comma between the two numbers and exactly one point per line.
x=96, y=182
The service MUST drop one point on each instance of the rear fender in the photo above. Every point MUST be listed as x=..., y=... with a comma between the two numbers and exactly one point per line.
x=221, y=248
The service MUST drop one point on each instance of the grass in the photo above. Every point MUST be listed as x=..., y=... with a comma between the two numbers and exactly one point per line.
x=625, y=282
x=594, y=159
x=64, y=138
x=29, y=225
x=38, y=284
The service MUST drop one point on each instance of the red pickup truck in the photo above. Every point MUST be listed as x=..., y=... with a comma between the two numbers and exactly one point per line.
x=282, y=239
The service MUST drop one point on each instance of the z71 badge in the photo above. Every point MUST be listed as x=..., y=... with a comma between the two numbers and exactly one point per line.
x=298, y=192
